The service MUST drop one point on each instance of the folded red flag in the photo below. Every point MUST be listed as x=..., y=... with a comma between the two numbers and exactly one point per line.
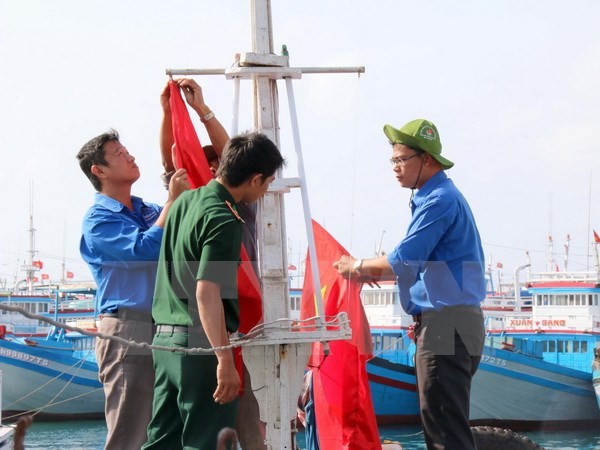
x=345, y=417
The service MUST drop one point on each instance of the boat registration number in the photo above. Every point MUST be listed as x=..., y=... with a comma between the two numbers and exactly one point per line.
x=24, y=357
x=493, y=360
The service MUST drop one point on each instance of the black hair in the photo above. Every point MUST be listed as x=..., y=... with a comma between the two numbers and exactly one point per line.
x=92, y=153
x=246, y=155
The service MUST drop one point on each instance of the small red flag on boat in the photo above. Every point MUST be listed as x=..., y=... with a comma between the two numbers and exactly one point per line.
x=70, y=274
x=292, y=267
x=499, y=265
x=596, y=237
x=345, y=417
x=45, y=276
x=38, y=264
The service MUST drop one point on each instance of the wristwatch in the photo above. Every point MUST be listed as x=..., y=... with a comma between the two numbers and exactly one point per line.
x=357, y=266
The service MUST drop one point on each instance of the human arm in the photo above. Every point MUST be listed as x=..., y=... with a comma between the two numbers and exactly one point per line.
x=166, y=138
x=212, y=316
x=370, y=270
x=194, y=97
x=112, y=235
x=179, y=182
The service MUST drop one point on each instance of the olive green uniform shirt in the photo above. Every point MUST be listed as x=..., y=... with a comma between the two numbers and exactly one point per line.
x=201, y=241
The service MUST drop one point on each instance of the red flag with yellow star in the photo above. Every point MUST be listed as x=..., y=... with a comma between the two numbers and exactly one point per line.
x=345, y=417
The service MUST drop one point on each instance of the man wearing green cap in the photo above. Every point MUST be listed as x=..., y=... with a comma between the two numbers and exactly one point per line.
x=439, y=268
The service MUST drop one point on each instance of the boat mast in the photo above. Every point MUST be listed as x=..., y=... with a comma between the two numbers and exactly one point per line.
x=29, y=268
x=277, y=358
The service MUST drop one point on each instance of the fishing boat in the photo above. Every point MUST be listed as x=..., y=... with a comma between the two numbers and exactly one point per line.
x=596, y=374
x=53, y=377
x=527, y=377
x=6, y=431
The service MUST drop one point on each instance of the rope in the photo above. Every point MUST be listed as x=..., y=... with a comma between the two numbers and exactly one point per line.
x=237, y=341
x=353, y=183
x=38, y=410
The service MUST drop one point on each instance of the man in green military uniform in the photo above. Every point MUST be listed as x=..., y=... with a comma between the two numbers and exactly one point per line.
x=195, y=300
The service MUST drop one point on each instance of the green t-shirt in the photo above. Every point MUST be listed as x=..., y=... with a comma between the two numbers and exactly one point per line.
x=201, y=241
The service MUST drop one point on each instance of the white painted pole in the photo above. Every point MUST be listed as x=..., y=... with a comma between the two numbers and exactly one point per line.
x=312, y=250
x=236, y=107
x=518, y=286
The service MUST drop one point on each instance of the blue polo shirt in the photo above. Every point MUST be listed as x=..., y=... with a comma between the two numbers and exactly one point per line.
x=440, y=262
x=121, y=247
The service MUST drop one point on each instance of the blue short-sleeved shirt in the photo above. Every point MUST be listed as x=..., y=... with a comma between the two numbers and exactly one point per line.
x=440, y=262
x=121, y=247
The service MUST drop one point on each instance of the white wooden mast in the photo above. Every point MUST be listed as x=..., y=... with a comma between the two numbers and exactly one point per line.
x=277, y=357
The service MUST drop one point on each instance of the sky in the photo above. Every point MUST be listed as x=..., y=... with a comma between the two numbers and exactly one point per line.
x=513, y=88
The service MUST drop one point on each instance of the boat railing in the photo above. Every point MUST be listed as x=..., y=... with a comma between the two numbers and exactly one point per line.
x=523, y=346
x=591, y=276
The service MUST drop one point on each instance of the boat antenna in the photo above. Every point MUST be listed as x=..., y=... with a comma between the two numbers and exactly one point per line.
x=590, y=225
x=567, y=252
x=551, y=267
x=30, y=268
x=379, y=251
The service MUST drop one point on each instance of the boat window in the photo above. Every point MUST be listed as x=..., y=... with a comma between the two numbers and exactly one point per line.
x=576, y=347
x=294, y=303
x=584, y=346
x=552, y=346
x=561, y=346
x=377, y=342
x=387, y=343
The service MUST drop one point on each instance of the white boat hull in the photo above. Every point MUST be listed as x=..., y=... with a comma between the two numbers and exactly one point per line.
x=51, y=382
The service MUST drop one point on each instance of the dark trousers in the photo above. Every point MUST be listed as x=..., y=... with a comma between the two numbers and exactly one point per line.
x=449, y=346
x=250, y=429
x=184, y=414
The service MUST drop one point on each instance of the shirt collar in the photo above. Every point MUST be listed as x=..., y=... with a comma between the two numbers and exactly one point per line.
x=220, y=190
x=115, y=205
x=429, y=186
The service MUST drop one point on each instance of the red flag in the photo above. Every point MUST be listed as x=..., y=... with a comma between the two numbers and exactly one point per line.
x=343, y=406
x=38, y=264
x=499, y=265
x=596, y=237
x=189, y=155
x=292, y=267
x=188, y=150
x=45, y=276
x=35, y=279
x=70, y=274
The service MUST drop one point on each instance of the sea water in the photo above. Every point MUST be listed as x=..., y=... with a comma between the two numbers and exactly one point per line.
x=89, y=435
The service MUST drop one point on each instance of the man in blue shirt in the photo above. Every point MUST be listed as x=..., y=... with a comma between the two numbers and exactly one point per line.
x=439, y=268
x=121, y=243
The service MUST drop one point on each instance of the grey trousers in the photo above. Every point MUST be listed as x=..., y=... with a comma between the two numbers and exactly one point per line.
x=449, y=346
x=127, y=376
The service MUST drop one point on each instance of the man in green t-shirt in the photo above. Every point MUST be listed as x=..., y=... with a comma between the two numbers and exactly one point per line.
x=195, y=299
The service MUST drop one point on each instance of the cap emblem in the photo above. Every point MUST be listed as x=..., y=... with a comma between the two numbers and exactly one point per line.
x=428, y=133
